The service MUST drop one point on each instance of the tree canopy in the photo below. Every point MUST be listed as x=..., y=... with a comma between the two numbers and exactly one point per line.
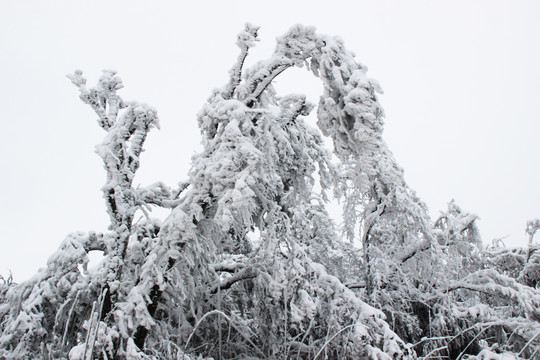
x=249, y=263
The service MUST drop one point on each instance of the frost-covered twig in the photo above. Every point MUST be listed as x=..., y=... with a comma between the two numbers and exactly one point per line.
x=69, y=318
x=473, y=340
x=246, y=40
x=221, y=313
x=332, y=339
x=529, y=343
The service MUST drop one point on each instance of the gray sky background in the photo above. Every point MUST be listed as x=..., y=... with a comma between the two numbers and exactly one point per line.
x=461, y=82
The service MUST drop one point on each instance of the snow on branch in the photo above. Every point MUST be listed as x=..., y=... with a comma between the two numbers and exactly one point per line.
x=246, y=40
x=490, y=282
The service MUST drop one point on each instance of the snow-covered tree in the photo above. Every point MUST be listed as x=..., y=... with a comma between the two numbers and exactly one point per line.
x=249, y=263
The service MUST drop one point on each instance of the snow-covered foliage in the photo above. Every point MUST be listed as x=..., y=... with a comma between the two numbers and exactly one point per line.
x=249, y=264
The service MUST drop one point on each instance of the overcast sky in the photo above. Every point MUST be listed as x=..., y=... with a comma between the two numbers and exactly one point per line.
x=461, y=82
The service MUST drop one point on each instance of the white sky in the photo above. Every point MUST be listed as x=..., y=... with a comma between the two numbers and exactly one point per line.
x=461, y=81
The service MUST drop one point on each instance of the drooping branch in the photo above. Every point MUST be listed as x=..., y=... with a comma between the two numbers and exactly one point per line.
x=260, y=82
x=160, y=195
x=491, y=283
x=423, y=245
x=244, y=274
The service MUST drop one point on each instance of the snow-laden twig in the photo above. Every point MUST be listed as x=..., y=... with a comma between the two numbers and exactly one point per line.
x=529, y=343
x=473, y=340
x=70, y=316
x=221, y=313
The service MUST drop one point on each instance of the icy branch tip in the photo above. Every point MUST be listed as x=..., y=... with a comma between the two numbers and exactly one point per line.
x=76, y=78
x=248, y=36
